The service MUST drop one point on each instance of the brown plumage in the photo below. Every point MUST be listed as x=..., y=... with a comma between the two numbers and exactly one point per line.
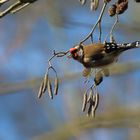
x=100, y=54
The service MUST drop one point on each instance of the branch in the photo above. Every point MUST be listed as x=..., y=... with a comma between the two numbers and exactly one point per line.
x=94, y=27
x=116, y=69
x=111, y=119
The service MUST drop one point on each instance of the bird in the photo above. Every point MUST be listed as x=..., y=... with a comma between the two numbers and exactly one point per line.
x=98, y=55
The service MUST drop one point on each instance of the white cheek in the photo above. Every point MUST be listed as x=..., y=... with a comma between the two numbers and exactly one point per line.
x=76, y=47
x=80, y=52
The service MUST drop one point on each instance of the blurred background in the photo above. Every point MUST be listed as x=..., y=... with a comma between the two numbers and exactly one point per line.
x=27, y=40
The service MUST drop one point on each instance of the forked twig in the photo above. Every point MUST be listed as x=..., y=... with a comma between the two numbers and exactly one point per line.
x=46, y=84
x=94, y=27
x=59, y=54
x=112, y=29
x=110, y=34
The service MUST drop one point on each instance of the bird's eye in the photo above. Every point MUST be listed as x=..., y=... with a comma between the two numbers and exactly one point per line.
x=75, y=55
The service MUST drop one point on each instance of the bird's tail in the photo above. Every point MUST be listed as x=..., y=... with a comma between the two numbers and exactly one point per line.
x=135, y=44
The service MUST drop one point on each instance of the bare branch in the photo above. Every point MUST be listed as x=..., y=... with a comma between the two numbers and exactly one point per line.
x=46, y=80
x=94, y=27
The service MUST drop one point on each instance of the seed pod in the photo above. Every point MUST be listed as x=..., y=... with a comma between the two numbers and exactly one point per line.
x=45, y=83
x=98, y=78
x=96, y=101
x=94, y=5
x=40, y=90
x=93, y=112
x=90, y=96
x=56, y=85
x=49, y=86
x=90, y=107
x=122, y=7
x=95, y=105
x=84, y=102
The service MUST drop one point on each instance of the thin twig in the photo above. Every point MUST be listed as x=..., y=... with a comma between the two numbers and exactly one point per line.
x=59, y=54
x=9, y=9
x=100, y=32
x=47, y=82
x=94, y=85
x=112, y=29
x=97, y=22
x=19, y=8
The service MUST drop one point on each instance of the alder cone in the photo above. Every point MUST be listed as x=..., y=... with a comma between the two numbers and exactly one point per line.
x=112, y=10
x=122, y=7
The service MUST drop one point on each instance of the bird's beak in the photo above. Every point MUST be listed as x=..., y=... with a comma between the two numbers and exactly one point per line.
x=69, y=56
x=71, y=50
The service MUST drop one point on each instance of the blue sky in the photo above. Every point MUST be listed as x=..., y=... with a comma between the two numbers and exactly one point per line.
x=30, y=61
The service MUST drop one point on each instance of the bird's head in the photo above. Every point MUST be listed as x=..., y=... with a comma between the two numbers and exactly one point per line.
x=76, y=52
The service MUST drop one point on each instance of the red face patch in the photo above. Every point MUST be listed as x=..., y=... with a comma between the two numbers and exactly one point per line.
x=73, y=51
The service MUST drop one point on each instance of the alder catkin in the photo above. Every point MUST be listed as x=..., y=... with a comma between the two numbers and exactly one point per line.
x=49, y=86
x=94, y=4
x=45, y=81
x=90, y=108
x=84, y=102
x=56, y=85
x=121, y=7
x=40, y=90
x=98, y=78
